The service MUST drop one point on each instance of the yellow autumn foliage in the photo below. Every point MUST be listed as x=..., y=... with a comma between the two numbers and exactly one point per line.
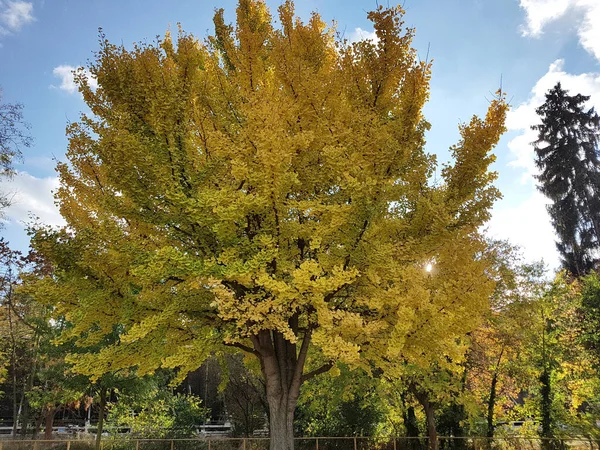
x=266, y=188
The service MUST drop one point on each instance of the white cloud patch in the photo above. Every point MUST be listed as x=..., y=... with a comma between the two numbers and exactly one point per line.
x=522, y=117
x=67, y=78
x=14, y=15
x=360, y=35
x=528, y=226
x=540, y=13
x=31, y=196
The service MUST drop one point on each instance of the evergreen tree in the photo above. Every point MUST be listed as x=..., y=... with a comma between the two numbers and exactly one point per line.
x=567, y=156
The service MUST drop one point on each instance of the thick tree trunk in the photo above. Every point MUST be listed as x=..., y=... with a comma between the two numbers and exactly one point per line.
x=423, y=398
x=102, y=408
x=282, y=365
x=412, y=428
x=48, y=423
x=431, y=430
x=281, y=422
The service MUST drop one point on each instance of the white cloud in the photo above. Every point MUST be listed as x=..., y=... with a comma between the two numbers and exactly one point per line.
x=31, y=196
x=360, y=35
x=67, y=78
x=15, y=14
x=522, y=117
x=528, y=226
x=587, y=12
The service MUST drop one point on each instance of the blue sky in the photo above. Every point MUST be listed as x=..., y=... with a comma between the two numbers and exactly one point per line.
x=530, y=44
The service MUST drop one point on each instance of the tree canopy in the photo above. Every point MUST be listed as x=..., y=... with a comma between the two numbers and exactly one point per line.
x=268, y=189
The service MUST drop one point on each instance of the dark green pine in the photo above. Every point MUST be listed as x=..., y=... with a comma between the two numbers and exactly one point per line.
x=567, y=157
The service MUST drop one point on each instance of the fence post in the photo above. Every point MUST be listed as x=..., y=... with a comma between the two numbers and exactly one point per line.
x=244, y=444
x=394, y=443
x=35, y=445
x=172, y=444
x=354, y=442
x=137, y=444
x=317, y=443
x=208, y=439
x=68, y=445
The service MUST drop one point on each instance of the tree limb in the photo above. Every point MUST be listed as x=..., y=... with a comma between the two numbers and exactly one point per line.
x=324, y=368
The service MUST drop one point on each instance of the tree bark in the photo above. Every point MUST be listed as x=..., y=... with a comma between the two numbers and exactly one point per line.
x=491, y=405
x=282, y=365
x=492, y=400
x=423, y=398
x=411, y=425
x=431, y=430
x=281, y=423
x=48, y=423
x=102, y=408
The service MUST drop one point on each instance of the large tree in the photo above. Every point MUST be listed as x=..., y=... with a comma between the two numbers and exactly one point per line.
x=268, y=189
x=567, y=156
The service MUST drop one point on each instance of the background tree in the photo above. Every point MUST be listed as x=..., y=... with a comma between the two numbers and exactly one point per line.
x=244, y=395
x=589, y=315
x=498, y=368
x=13, y=137
x=343, y=403
x=268, y=190
x=149, y=408
x=567, y=156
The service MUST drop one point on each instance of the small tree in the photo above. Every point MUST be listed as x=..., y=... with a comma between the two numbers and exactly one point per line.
x=268, y=190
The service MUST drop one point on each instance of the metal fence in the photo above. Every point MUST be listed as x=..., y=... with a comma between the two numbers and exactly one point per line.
x=320, y=443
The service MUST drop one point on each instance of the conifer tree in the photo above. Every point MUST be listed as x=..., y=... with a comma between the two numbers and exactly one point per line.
x=567, y=156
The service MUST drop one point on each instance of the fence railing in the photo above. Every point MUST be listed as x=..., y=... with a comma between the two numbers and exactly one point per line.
x=303, y=443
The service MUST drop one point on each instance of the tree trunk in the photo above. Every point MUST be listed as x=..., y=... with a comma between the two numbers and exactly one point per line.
x=431, y=430
x=423, y=398
x=281, y=423
x=490, y=407
x=546, y=409
x=102, y=408
x=49, y=422
x=492, y=401
x=282, y=365
x=14, y=401
x=38, y=425
x=412, y=429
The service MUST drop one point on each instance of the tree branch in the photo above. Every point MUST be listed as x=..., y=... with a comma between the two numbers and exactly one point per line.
x=298, y=378
x=324, y=368
x=243, y=348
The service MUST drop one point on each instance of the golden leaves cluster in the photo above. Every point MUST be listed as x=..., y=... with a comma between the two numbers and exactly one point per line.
x=266, y=176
